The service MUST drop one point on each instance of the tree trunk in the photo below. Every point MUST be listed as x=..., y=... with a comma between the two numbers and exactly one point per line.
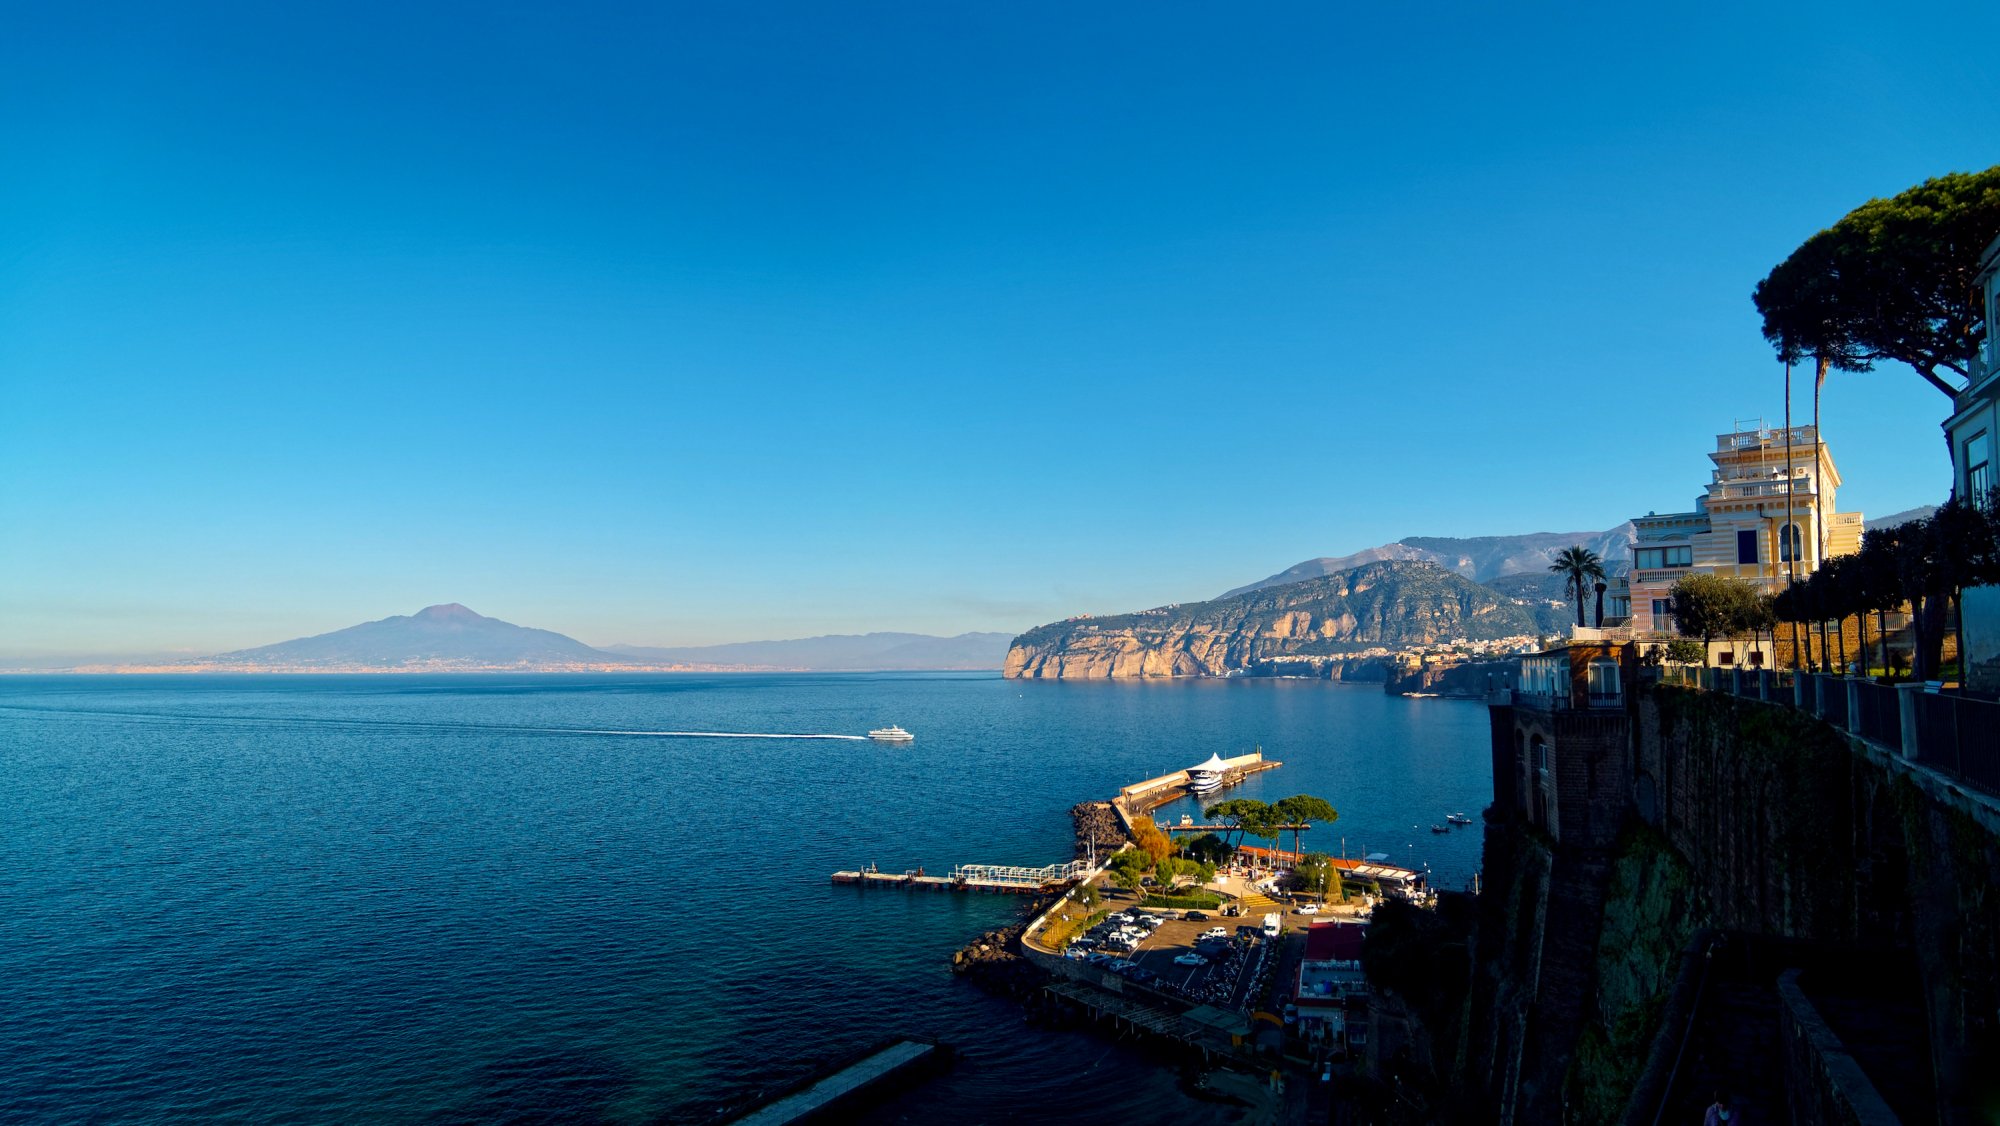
x=1579, y=603
x=1842, y=636
x=1919, y=648
x=1882, y=631
x=1861, y=624
x=1819, y=522
x=1935, y=613
x=1792, y=564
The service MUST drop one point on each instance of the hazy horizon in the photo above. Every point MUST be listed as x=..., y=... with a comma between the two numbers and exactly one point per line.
x=669, y=326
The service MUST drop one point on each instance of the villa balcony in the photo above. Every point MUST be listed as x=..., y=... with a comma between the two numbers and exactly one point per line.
x=1775, y=436
x=1801, y=488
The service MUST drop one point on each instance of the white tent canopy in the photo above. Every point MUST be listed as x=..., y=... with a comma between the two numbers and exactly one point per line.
x=1214, y=765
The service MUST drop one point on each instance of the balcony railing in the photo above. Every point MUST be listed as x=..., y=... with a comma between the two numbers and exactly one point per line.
x=1955, y=735
x=1761, y=489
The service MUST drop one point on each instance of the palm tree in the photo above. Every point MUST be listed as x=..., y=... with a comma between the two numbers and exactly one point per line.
x=1580, y=567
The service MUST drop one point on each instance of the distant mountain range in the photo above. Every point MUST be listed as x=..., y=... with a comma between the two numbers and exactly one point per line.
x=1479, y=558
x=452, y=638
x=1390, y=603
x=1393, y=594
x=436, y=637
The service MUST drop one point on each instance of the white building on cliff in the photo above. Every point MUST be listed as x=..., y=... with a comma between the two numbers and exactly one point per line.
x=1768, y=516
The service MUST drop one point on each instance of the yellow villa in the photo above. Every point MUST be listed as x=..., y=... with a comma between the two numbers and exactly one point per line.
x=1768, y=515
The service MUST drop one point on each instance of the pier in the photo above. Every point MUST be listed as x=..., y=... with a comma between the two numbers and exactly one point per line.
x=824, y=1096
x=1188, y=827
x=970, y=877
x=1144, y=797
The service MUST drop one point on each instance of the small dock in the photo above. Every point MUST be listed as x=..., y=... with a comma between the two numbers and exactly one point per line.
x=970, y=877
x=827, y=1094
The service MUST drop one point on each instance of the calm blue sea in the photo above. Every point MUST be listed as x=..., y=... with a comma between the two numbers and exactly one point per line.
x=455, y=899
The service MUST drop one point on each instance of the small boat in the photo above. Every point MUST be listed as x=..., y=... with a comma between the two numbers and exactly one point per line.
x=1440, y=828
x=891, y=734
x=1458, y=819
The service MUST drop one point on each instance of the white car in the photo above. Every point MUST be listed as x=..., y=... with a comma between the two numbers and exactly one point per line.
x=1307, y=909
x=1151, y=920
x=1215, y=932
x=1190, y=959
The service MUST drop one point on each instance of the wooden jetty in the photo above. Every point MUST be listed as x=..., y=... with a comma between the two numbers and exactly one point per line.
x=1214, y=1031
x=970, y=877
x=832, y=1093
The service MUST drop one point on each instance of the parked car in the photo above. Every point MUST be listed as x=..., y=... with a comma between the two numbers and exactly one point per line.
x=1307, y=908
x=1142, y=975
x=1190, y=959
x=1195, y=916
x=1151, y=920
x=1215, y=932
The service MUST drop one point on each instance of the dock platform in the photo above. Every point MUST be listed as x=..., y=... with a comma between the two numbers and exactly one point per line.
x=970, y=877
x=821, y=1097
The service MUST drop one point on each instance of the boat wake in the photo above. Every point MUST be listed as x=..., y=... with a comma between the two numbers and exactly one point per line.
x=708, y=734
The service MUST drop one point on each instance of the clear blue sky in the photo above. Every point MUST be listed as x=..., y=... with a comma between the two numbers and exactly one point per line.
x=678, y=325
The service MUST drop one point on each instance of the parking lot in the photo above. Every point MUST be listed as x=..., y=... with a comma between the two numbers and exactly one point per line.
x=1230, y=969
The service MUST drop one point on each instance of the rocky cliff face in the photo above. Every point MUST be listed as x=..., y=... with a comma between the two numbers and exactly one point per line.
x=1393, y=603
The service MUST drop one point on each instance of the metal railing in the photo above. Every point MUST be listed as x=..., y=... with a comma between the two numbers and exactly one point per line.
x=1877, y=716
x=1961, y=737
x=1955, y=735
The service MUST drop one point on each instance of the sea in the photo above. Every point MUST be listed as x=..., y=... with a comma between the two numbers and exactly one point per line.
x=501, y=898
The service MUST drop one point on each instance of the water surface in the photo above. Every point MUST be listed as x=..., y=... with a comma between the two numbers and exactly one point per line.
x=435, y=898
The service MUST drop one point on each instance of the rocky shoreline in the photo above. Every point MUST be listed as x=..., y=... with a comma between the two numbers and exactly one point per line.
x=993, y=960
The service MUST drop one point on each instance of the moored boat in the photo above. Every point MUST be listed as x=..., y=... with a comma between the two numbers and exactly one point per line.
x=1207, y=777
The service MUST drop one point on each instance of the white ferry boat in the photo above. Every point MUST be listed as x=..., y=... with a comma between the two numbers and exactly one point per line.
x=891, y=734
x=1207, y=777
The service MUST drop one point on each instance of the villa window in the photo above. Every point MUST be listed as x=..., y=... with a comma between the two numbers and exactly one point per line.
x=1663, y=613
x=1648, y=558
x=1789, y=539
x=1602, y=675
x=1746, y=546
x=1978, y=468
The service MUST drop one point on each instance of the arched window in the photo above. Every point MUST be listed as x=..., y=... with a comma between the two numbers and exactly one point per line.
x=1789, y=541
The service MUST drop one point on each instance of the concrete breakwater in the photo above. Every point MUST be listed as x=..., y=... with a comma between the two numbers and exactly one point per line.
x=1144, y=797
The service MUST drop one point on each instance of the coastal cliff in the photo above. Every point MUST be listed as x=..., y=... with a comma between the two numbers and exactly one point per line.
x=1392, y=603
